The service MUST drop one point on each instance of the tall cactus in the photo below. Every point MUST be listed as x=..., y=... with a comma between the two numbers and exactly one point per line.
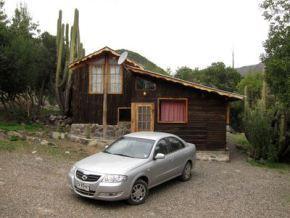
x=68, y=50
x=264, y=96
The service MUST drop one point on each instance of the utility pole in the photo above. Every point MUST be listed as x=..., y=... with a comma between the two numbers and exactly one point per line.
x=233, y=59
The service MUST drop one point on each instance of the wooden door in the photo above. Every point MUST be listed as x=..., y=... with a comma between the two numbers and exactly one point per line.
x=142, y=117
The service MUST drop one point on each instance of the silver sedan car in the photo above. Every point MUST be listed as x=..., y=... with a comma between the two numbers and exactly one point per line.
x=132, y=165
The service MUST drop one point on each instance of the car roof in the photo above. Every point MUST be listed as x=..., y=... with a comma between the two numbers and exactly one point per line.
x=149, y=135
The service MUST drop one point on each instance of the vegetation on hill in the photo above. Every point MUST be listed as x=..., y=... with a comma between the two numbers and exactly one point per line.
x=217, y=75
x=251, y=69
x=148, y=65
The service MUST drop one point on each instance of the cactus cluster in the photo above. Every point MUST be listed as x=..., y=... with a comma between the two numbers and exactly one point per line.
x=69, y=48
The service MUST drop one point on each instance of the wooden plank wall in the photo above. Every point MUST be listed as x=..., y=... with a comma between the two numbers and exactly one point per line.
x=206, y=125
x=88, y=108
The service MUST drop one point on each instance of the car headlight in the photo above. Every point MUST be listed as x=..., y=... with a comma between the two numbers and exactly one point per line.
x=72, y=170
x=114, y=178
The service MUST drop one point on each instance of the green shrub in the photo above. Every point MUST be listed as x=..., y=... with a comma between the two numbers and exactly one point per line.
x=13, y=138
x=257, y=124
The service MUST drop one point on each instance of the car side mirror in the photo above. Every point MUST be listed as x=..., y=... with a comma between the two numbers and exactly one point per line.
x=106, y=146
x=159, y=156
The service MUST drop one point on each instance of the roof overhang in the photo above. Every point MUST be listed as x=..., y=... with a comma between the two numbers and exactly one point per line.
x=95, y=54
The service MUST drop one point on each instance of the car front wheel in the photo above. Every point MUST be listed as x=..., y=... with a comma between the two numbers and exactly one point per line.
x=186, y=173
x=139, y=193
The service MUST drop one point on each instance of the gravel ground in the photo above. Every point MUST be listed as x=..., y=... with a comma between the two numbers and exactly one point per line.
x=35, y=186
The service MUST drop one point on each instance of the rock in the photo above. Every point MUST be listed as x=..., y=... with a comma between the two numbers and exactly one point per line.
x=55, y=135
x=3, y=136
x=58, y=135
x=38, y=159
x=78, y=139
x=230, y=129
x=44, y=142
x=14, y=134
x=93, y=143
x=67, y=152
x=52, y=118
x=52, y=144
x=33, y=152
x=31, y=138
x=39, y=134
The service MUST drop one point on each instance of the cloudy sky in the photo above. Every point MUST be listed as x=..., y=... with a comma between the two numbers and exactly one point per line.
x=171, y=33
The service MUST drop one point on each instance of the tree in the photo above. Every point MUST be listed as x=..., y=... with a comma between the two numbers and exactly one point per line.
x=277, y=48
x=27, y=63
x=184, y=73
x=254, y=83
x=219, y=76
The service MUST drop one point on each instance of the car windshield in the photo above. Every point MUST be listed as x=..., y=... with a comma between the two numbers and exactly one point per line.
x=131, y=147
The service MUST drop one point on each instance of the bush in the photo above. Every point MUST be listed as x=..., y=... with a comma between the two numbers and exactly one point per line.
x=257, y=124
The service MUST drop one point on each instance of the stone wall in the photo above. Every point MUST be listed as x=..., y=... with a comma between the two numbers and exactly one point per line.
x=96, y=130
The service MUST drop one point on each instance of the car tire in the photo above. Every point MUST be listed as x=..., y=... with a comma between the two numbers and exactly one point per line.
x=186, y=173
x=139, y=192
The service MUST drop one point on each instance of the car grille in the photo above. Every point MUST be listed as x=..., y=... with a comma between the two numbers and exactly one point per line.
x=88, y=193
x=89, y=178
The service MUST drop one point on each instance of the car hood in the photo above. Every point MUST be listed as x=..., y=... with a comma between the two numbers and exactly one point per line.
x=105, y=163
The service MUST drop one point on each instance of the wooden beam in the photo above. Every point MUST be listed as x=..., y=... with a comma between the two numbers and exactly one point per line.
x=228, y=114
x=105, y=96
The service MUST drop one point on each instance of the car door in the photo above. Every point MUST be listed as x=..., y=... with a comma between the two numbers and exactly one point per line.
x=160, y=168
x=176, y=155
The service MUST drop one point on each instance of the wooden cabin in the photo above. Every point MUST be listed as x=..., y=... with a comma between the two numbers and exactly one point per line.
x=106, y=93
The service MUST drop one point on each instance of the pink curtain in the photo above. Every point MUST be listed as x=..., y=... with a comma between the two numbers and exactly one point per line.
x=173, y=111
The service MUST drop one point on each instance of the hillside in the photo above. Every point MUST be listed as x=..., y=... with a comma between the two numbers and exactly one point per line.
x=148, y=65
x=251, y=69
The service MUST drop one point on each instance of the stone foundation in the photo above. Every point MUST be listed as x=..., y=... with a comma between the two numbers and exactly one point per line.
x=94, y=131
x=220, y=156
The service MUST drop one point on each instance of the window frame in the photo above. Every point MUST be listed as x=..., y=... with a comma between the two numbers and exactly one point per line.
x=119, y=114
x=121, y=80
x=139, y=78
x=90, y=79
x=172, y=99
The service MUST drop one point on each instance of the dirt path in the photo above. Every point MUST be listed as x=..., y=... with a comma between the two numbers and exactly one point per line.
x=32, y=185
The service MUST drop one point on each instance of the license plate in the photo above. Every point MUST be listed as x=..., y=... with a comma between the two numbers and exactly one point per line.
x=83, y=186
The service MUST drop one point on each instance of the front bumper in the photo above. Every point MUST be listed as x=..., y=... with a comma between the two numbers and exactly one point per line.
x=101, y=191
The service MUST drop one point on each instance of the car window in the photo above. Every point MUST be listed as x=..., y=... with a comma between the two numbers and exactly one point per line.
x=174, y=144
x=131, y=147
x=161, y=147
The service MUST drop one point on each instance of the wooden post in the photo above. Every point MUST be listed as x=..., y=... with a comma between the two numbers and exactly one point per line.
x=228, y=114
x=105, y=91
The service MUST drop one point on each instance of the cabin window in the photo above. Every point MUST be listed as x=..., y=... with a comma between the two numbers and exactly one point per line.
x=142, y=84
x=124, y=114
x=172, y=110
x=96, y=79
x=115, y=79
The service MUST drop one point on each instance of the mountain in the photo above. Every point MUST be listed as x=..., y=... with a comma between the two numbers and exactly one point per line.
x=251, y=69
x=148, y=65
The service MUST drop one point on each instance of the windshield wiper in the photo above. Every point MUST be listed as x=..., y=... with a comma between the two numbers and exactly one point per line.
x=124, y=155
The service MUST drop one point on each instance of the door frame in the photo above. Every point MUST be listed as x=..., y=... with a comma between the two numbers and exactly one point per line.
x=134, y=115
